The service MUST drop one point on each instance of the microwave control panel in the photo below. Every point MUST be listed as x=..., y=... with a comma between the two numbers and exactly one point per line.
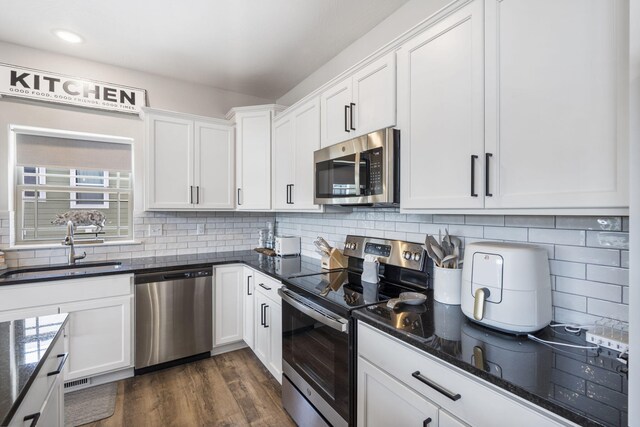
x=376, y=160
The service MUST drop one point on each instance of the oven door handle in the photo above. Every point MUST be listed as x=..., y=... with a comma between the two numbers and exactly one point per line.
x=339, y=324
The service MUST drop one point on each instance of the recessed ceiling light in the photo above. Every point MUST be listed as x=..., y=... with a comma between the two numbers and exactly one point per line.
x=68, y=36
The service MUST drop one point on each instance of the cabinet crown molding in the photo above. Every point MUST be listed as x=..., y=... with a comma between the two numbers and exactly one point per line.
x=151, y=111
x=275, y=108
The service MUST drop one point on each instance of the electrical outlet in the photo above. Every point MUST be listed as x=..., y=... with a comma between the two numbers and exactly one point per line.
x=615, y=337
x=200, y=229
x=155, y=230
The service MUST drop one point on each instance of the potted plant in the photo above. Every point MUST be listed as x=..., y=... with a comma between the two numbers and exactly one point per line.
x=447, y=267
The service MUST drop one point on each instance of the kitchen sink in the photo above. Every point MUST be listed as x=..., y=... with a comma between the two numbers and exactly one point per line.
x=62, y=270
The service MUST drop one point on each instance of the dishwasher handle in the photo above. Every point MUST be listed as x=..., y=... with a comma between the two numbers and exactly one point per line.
x=177, y=276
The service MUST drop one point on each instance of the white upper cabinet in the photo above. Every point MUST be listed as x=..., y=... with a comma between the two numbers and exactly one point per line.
x=440, y=113
x=361, y=103
x=296, y=137
x=189, y=162
x=557, y=99
x=253, y=157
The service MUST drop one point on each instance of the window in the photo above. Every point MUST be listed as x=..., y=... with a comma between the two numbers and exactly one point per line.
x=80, y=178
x=84, y=177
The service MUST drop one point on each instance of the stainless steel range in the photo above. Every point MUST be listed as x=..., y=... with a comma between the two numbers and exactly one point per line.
x=318, y=384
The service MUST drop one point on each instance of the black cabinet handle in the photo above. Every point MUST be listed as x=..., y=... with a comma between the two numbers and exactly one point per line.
x=191, y=194
x=426, y=422
x=34, y=419
x=249, y=285
x=346, y=115
x=287, y=192
x=487, y=156
x=435, y=386
x=197, y=194
x=60, y=365
x=351, y=107
x=262, y=313
x=473, y=175
x=291, y=194
x=265, y=315
x=264, y=287
x=239, y=197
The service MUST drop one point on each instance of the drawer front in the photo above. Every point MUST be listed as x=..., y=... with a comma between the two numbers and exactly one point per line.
x=267, y=286
x=442, y=383
x=41, y=387
x=13, y=297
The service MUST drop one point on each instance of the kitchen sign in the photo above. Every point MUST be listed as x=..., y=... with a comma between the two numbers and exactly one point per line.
x=28, y=83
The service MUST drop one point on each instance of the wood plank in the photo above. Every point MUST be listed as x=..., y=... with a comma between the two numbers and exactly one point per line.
x=231, y=389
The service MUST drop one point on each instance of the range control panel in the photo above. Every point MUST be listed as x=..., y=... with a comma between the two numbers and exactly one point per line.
x=394, y=252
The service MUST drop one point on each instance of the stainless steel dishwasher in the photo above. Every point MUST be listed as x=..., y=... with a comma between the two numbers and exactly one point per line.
x=173, y=317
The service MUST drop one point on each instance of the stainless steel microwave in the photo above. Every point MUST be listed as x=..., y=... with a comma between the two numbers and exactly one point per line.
x=361, y=171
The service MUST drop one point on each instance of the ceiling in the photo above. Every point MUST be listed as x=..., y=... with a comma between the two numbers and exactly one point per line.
x=256, y=47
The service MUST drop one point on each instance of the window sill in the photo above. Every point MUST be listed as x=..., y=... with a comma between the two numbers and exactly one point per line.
x=78, y=245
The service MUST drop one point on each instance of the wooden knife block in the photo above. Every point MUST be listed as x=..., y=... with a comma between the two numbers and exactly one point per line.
x=334, y=260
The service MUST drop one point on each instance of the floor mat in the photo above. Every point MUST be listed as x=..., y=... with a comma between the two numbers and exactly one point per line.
x=90, y=404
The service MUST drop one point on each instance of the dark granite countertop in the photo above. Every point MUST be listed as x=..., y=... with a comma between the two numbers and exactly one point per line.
x=587, y=387
x=24, y=346
x=277, y=267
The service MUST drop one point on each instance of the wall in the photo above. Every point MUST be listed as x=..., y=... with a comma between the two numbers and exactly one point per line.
x=406, y=17
x=163, y=93
x=224, y=231
x=589, y=255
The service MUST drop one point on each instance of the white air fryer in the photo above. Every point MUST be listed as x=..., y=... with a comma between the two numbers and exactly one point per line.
x=507, y=286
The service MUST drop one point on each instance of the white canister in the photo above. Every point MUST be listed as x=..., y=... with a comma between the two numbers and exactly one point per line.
x=446, y=285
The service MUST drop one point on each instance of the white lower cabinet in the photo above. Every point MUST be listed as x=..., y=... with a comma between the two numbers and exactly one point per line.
x=248, y=291
x=99, y=332
x=98, y=336
x=401, y=391
x=227, y=306
x=268, y=324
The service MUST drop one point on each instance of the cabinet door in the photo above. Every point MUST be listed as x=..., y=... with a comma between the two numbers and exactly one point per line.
x=214, y=166
x=98, y=336
x=334, y=113
x=445, y=419
x=169, y=163
x=25, y=313
x=254, y=160
x=306, y=140
x=283, y=162
x=228, y=304
x=440, y=113
x=274, y=324
x=556, y=103
x=248, y=290
x=262, y=338
x=384, y=401
x=374, y=96
x=52, y=411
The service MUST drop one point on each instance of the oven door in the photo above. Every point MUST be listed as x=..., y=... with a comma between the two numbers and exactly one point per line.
x=315, y=352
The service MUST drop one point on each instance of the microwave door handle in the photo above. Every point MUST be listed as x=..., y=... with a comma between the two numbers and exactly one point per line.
x=357, y=172
x=314, y=314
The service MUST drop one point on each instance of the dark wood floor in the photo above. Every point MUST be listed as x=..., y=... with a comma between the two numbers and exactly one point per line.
x=231, y=389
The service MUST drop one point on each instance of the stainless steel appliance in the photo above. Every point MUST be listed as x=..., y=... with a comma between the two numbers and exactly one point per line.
x=318, y=344
x=173, y=317
x=507, y=286
x=360, y=171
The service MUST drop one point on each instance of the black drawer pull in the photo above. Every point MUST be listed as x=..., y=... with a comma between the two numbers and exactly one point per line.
x=487, y=156
x=473, y=175
x=60, y=365
x=262, y=314
x=265, y=315
x=264, y=287
x=346, y=115
x=351, y=107
x=435, y=386
x=34, y=419
x=238, y=197
x=249, y=285
x=426, y=422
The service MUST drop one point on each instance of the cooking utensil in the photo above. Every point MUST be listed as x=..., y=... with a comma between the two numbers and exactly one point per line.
x=411, y=298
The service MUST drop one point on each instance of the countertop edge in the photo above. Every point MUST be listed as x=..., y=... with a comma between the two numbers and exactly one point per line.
x=559, y=410
x=18, y=401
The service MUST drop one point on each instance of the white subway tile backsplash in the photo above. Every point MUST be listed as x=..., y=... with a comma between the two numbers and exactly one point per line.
x=608, y=239
x=505, y=233
x=558, y=237
x=570, y=301
x=530, y=221
x=588, y=255
x=448, y=219
x=568, y=269
x=599, y=273
x=613, y=223
x=624, y=259
x=592, y=289
x=410, y=227
x=608, y=309
x=625, y=295
x=484, y=219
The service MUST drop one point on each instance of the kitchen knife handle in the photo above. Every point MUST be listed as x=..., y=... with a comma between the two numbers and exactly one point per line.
x=346, y=116
x=351, y=107
x=435, y=386
x=487, y=156
x=473, y=175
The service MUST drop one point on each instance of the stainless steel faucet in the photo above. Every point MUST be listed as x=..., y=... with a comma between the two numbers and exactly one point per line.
x=68, y=241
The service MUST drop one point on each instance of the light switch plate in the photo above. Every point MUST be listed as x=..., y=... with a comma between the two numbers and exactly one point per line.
x=200, y=229
x=155, y=230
